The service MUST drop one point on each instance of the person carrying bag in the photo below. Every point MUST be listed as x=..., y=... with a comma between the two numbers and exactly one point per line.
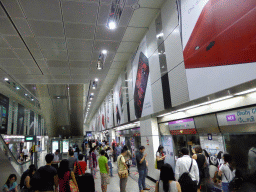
x=160, y=157
x=122, y=170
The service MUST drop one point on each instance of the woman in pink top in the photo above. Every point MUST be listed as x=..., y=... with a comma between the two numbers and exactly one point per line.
x=93, y=162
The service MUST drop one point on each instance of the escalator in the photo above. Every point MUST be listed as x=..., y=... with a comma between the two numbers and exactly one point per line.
x=9, y=163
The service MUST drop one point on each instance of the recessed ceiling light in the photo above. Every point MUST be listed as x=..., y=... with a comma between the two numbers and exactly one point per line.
x=112, y=25
x=92, y=93
x=6, y=79
x=32, y=99
x=58, y=97
x=93, y=88
x=96, y=79
x=104, y=51
x=17, y=88
x=90, y=102
x=90, y=98
x=26, y=94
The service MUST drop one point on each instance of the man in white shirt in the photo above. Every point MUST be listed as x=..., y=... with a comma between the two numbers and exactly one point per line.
x=56, y=159
x=183, y=165
x=25, y=152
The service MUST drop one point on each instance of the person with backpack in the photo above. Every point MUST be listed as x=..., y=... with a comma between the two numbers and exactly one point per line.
x=187, y=172
x=24, y=175
x=201, y=162
x=122, y=170
x=167, y=181
x=226, y=173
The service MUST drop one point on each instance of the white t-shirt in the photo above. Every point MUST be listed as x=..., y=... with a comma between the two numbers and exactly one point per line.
x=25, y=151
x=226, y=173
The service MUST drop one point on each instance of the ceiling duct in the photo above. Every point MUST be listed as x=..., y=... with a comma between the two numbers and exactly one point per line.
x=115, y=13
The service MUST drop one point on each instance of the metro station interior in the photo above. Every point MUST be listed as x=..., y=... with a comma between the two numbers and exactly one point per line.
x=175, y=73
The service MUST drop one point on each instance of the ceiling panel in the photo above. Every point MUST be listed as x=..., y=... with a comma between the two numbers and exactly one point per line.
x=2, y=13
x=55, y=54
x=110, y=46
x=3, y=44
x=31, y=42
x=122, y=57
x=143, y=17
x=13, y=8
x=81, y=12
x=15, y=42
x=79, y=44
x=151, y=3
x=29, y=63
x=131, y=2
x=51, y=43
x=126, y=16
x=42, y=9
x=65, y=77
x=134, y=34
x=82, y=0
x=37, y=54
x=109, y=58
x=80, y=71
x=59, y=71
x=17, y=70
x=103, y=33
x=11, y=62
x=23, y=27
x=47, y=28
x=79, y=56
x=103, y=14
x=7, y=53
x=79, y=31
x=118, y=65
x=57, y=63
x=34, y=70
x=80, y=76
x=128, y=47
x=8, y=29
x=80, y=64
x=105, y=1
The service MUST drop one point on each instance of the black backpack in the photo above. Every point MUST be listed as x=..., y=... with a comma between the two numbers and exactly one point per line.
x=186, y=182
x=36, y=181
x=236, y=182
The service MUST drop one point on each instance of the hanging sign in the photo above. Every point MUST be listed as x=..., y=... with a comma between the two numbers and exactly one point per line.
x=182, y=124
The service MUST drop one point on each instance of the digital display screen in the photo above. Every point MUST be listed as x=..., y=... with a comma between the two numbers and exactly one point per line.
x=55, y=146
x=65, y=146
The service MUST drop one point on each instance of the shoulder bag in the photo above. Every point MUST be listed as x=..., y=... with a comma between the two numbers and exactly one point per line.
x=72, y=185
x=122, y=174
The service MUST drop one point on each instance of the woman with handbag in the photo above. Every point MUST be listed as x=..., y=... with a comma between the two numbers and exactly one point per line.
x=93, y=162
x=122, y=170
x=67, y=179
x=160, y=157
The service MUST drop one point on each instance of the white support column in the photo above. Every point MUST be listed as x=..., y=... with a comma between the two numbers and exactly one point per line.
x=15, y=108
x=150, y=140
x=9, y=126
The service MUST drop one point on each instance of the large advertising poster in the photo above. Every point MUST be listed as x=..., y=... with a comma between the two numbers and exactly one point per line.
x=103, y=116
x=4, y=108
x=118, y=102
x=20, y=122
x=141, y=82
x=218, y=39
x=32, y=121
x=109, y=111
x=167, y=142
x=39, y=125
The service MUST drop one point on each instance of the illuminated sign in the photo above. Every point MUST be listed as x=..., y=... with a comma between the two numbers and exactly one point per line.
x=30, y=138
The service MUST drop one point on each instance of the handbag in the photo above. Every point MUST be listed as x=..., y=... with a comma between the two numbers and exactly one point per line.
x=122, y=174
x=72, y=185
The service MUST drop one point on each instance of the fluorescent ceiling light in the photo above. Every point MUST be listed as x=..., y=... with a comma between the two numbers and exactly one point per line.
x=96, y=79
x=92, y=93
x=247, y=91
x=104, y=51
x=17, y=88
x=112, y=25
x=93, y=87
x=90, y=102
x=26, y=94
x=216, y=100
x=58, y=97
x=159, y=35
x=167, y=114
x=187, y=108
x=32, y=99
x=6, y=79
x=90, y=98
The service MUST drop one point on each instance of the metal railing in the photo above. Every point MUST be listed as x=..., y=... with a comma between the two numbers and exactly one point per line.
x=20, y=167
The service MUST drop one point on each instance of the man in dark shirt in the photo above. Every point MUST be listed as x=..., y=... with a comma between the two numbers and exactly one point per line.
x=48, y=175
x=142, y=168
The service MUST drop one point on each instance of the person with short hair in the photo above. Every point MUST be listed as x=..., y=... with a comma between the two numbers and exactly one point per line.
x=25, y=153
x=48, y=175
x=183, y=165
x=80, y=165
x=226, y=172
x=142, y=168
x=167, y=181
x=71, y=160
x=122, y=167
x=11, y=184
x=104, y=170
x=56, y=159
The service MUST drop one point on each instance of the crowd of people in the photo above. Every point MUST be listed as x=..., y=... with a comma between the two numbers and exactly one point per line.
x=189, y=174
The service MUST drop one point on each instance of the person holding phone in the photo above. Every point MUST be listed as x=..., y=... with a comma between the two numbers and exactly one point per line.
x=160, y=157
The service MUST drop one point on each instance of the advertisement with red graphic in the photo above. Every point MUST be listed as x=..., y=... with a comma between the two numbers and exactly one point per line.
x=141, y=82
x=103, y=115
x=118, y=101
x=219, y=44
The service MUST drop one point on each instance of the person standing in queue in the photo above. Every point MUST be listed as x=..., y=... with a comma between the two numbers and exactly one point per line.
x=104, y=170
x=142, y=168
x=122, y=170
x=160, y=157
x=56, y=159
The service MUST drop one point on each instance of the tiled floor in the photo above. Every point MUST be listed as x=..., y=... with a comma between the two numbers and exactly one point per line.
x=132, y=184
